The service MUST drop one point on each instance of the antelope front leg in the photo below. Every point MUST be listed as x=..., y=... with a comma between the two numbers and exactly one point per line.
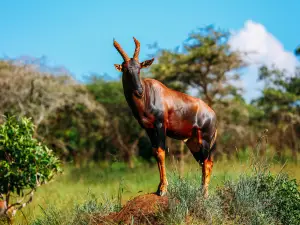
x=159, y=154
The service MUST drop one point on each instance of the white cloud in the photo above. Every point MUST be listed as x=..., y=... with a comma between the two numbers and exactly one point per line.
x=264, y=48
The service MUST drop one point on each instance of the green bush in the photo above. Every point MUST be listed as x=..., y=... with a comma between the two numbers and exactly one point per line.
x=25, y=163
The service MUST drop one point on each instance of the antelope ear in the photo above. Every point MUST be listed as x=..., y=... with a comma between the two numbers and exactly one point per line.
x=147, y=63
x=118, y=67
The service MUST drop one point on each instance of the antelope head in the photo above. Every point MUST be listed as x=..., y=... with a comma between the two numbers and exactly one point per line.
x=131, y=67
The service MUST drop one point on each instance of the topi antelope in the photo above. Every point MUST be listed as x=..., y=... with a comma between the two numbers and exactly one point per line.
x=165, y=112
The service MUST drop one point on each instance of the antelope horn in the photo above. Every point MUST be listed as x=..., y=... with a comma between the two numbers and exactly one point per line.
x=121, y=51
x=137, y=49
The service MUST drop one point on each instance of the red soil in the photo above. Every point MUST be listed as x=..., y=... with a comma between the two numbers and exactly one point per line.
x=142, y=210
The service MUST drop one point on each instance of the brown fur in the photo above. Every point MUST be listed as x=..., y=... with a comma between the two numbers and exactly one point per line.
x=163, y=112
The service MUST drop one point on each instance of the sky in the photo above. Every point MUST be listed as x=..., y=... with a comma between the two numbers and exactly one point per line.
x=79, y=34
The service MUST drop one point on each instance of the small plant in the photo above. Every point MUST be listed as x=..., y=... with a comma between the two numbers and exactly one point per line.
x=25, y=163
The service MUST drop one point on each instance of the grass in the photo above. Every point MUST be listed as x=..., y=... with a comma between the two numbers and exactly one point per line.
x=256, y=197
x=102, y=188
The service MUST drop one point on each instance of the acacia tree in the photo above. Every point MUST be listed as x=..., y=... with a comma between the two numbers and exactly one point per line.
x=206, y=64
x=25, y=164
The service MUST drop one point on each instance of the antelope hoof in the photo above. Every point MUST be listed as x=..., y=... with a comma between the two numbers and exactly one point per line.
x=162, y=190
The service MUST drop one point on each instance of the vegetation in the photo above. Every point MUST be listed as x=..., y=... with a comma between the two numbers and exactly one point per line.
x=205, y=64
x=98, y=190
x=92, y=121
x=25, y=163
x=49, y=99
x=92, y=131
x=256, y=198
x=282, y=118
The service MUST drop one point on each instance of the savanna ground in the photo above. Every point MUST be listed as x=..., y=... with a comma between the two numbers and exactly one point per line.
x=103, y=188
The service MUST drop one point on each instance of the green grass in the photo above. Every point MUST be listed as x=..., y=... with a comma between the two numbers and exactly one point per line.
x=73, y=187
x=258, y=196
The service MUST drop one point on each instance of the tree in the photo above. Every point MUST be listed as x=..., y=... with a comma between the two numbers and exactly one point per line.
x=32, y=93
x=206, y=64
x=280, y=102
x=25, y=163
x=64, y=112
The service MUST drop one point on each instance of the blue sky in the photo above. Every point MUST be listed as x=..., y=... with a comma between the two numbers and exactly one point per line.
x=79, y=34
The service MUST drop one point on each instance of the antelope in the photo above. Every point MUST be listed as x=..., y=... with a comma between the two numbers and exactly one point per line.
x=163, y=112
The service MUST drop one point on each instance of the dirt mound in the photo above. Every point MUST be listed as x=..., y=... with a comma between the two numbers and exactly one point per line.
x=142, y=210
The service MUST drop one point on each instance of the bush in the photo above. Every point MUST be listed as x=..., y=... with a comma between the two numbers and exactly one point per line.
x=255, y=198
x=262, y=198
x=24, y=162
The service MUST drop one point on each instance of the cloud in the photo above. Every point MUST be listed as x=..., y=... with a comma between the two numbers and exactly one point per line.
x=265, y=49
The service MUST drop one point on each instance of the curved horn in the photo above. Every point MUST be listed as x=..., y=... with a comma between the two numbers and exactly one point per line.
x=121, y=51
x=137, y=49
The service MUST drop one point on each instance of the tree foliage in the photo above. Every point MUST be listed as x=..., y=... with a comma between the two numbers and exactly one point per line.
x=280, y=102
x=25, y=163
x=206, y=64
x=63, y=111
x=92, y=121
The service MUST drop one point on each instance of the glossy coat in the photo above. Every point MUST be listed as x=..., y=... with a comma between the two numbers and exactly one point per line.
x=163, y=112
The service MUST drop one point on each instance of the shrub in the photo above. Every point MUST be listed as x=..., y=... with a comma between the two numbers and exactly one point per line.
x=25, y=163
x=186, y=204
x=256, y=198
x=261, y=198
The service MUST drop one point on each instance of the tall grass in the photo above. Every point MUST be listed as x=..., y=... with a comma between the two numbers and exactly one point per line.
x=257, y=196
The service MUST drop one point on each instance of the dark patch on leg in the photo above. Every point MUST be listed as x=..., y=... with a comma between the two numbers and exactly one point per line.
x=198, y=156
x=157, y=136
x=161, y=135
x=203, y=153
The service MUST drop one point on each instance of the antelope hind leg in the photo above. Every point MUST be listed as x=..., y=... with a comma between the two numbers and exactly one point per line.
x=200, y=151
